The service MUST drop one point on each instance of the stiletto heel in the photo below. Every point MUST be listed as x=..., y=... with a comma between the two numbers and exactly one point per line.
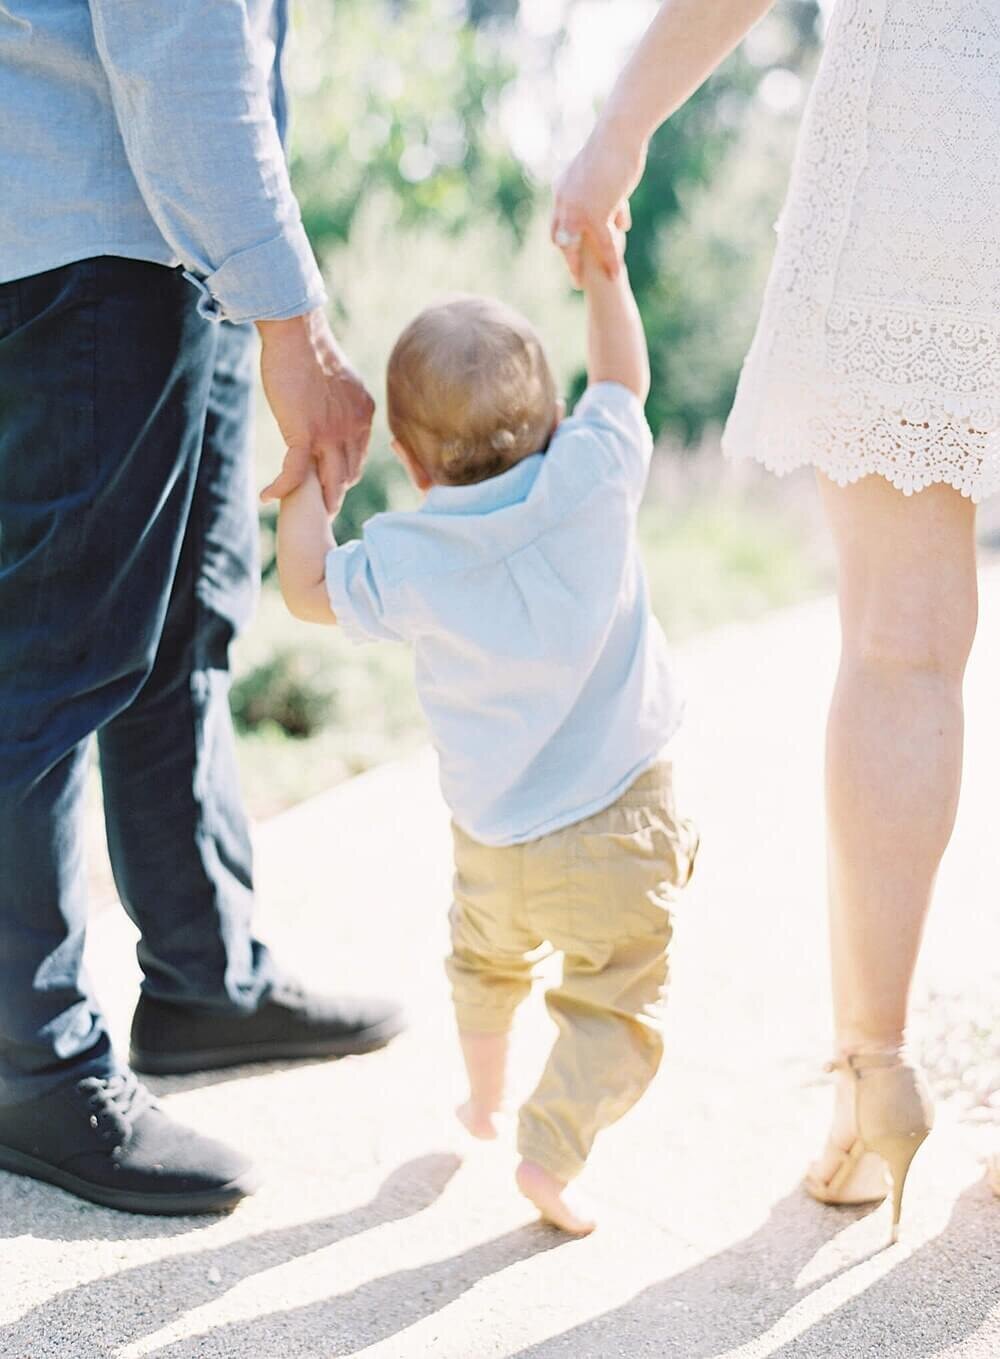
x=898, y=1154
x=893, y=1115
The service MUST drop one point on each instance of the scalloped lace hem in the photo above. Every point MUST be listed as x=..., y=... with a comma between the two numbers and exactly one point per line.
x=852, y=434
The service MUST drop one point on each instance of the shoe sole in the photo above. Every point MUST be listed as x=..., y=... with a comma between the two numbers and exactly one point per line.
x=221, y=1200
x=248, y=1054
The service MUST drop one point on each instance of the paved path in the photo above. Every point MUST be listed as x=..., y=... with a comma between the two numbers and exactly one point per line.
x=379, y=1232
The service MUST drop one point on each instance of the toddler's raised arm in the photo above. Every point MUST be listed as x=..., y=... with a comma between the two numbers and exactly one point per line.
x=616, y=341
x=304, y=539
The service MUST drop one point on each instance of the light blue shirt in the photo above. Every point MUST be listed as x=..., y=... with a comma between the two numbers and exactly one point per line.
x=543, y=674
x=153, y=131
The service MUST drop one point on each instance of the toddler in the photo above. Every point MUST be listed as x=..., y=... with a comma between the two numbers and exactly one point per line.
x=547, y=689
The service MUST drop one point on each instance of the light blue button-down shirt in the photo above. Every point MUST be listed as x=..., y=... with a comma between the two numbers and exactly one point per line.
x=152, y=131
x=544, y=677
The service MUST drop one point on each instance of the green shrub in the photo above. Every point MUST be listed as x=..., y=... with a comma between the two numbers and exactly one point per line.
x=290, y=691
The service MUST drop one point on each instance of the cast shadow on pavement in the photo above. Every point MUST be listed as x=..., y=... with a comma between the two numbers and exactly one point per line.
x=31, y=1208
x=923, y=1306
x=347, y=1323
x=110, y=1312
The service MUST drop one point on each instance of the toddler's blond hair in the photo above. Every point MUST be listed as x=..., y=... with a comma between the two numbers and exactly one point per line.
x=470, y=391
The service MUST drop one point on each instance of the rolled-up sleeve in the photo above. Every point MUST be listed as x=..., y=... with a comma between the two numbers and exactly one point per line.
x=616, y=415
x=357, y=597
x=194, y=111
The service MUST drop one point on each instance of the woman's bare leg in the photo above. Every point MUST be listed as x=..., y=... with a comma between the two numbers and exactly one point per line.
x=908, y=602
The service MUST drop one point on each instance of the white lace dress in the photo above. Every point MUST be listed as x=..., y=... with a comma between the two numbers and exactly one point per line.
x=878, y=348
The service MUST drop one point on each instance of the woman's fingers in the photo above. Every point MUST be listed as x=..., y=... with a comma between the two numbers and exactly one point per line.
x=569, y=227
x=606, y=247
x=573, y=255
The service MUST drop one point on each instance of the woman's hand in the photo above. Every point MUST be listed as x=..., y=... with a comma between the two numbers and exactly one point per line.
x=591, y=198
x=684, y=43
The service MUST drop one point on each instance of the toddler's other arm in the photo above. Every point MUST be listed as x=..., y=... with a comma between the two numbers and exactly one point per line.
x=616, y=341
x=304, y=539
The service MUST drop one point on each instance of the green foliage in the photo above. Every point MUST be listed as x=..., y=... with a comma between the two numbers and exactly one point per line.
x=718, y=558
x=727, y=153
x=492, y=11
x=290, y=690
x=367, y=693
x=400, y=99
x=701, y=305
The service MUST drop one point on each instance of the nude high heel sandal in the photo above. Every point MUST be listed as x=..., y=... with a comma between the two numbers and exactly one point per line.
x=893, y=1114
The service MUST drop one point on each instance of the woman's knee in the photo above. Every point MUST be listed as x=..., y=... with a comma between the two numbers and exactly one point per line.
x=907, y=568
x=919, y=637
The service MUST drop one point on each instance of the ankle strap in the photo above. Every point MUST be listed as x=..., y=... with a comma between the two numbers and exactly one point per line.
x=867, y=1061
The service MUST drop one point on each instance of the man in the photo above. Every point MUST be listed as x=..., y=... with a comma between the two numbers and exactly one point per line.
x=146, y=219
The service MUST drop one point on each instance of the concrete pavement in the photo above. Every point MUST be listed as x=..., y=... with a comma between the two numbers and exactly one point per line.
x=380, y=1232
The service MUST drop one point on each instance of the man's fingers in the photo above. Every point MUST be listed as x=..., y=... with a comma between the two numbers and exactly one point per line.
x=356, y=447
x=354, y=459
x=334, y=475
x=348, y=451
x=333, y=495
x=354, y=430
x=293, y=473
x=283, y=484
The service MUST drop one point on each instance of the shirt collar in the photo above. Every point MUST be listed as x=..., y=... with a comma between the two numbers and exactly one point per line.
x=509, y=488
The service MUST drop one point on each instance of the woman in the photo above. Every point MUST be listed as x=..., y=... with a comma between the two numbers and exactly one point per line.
x=877, y=361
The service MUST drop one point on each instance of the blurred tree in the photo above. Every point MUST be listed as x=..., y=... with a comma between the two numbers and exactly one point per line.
x=400, y=96
x=489, y=11
x=399, y=100
x=734, y=120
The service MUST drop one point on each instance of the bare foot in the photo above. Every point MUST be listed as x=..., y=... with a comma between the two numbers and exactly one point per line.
x=557, y=1202
x=481, y=1123
x=486, y=1063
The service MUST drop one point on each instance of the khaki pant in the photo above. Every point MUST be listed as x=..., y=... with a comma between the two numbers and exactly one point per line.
x=600, y=891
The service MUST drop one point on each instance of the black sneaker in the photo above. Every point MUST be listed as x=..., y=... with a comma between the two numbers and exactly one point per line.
x=107, y=1140
x=170, y=1040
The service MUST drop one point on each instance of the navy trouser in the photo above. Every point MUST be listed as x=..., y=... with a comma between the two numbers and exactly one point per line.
x=127, y=563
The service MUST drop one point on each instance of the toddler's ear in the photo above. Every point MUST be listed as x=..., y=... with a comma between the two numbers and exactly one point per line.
x=560, y=414
x=418, y=473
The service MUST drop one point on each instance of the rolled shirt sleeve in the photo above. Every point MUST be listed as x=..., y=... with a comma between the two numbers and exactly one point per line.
x=193, y=106
x=356, y=596
x=616, y=414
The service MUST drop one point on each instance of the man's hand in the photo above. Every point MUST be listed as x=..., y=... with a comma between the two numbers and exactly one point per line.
x=322, y=407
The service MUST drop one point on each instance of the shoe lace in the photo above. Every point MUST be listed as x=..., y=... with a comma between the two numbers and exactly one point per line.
x=116, y=1103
